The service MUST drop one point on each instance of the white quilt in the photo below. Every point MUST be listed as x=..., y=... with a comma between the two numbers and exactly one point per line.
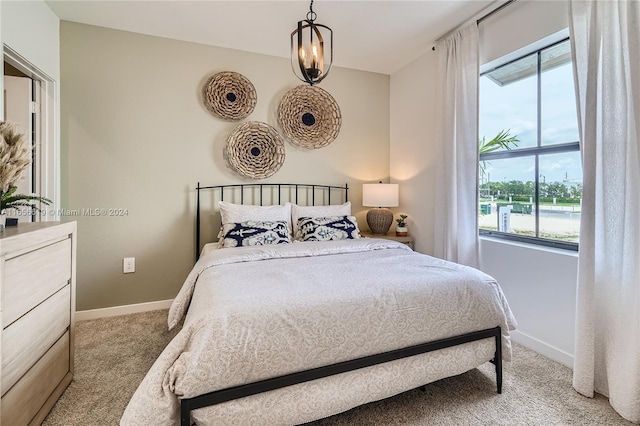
x=260, y=312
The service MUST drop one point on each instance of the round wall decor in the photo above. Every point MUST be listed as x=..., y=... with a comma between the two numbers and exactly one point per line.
x=255, y=150
x=229, y=95
x=309, y=117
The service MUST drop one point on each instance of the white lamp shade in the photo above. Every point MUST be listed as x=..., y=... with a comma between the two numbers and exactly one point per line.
x=380, y=195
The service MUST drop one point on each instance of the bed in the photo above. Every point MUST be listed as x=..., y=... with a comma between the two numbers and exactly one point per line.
x=286, y=333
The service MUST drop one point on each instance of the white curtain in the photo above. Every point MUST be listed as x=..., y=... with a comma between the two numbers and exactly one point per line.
x=456, y=216
x=605, y=38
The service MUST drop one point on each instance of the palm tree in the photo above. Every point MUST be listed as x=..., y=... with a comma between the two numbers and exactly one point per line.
x=502, y=140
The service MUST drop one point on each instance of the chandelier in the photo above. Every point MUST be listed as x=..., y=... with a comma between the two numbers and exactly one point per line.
x=311, y=49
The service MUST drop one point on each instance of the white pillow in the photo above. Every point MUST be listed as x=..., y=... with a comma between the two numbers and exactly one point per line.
x=317, y=211
x=238, y=213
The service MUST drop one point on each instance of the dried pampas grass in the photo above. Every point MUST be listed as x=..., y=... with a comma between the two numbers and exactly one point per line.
x=15, y=155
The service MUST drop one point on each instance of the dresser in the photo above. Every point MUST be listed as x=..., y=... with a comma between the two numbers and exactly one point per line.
x=37, y=288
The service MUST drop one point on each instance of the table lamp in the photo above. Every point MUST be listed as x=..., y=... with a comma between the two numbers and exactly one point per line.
x=380, y=195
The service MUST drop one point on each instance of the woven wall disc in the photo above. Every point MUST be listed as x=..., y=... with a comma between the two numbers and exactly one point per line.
x=255, y=150
x=229, y=95
x=309, y=117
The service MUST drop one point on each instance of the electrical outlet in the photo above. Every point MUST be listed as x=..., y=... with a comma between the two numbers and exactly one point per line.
x=128, y=265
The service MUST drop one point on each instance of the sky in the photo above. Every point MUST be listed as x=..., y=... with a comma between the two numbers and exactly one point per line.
x=513, y=107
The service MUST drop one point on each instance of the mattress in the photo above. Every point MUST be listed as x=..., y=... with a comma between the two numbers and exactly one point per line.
x=253, y=313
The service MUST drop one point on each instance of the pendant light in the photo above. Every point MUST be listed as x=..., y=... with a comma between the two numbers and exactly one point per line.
x=311, y=49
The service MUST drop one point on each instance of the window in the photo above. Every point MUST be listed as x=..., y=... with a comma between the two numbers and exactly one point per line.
x=530, y=182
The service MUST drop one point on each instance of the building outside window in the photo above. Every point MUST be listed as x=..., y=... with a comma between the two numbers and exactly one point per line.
x=530, y=184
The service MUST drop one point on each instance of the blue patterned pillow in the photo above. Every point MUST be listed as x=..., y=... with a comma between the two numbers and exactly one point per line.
x=328, y=228
x=255, y=233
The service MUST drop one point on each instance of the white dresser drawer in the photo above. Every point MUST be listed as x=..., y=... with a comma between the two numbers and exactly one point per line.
x=37, y=307
x=44, y=325
x=32, y=277
x=21, y=404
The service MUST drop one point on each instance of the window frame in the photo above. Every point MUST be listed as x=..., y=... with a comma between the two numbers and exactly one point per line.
x=534, y=152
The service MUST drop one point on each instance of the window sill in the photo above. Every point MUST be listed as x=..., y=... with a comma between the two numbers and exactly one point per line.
x=519, y=244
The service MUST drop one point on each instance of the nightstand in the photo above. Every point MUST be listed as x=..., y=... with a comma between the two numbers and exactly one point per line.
x=408, y=240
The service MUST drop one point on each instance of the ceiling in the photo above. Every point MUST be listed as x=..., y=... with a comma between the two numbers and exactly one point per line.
x=378, y=36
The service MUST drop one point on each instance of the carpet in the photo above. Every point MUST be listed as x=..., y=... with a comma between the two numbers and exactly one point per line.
x=113, y=355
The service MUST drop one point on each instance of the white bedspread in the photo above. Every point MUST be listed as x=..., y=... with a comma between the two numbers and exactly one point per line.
x=261, y=312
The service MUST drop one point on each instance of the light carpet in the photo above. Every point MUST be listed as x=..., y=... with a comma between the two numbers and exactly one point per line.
x=113, y=355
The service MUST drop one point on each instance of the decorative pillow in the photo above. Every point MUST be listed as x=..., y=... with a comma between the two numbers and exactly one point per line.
x=238, y=213
x=254, y=233
x=328, y=228
x=298, y=212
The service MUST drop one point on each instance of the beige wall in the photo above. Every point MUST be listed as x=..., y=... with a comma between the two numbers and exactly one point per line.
x=136, y=136
x=413, y=145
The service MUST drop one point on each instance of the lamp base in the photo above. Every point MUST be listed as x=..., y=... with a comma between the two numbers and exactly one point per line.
x=379, y=220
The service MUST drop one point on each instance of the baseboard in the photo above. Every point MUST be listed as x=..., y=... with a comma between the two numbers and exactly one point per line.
x=543, y=348
x=122, y=310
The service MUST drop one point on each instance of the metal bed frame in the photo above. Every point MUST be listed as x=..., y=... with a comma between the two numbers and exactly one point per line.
x=260, y=188
x=217, y=397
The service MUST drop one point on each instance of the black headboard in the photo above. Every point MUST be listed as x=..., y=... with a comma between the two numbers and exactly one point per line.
x=270, y=194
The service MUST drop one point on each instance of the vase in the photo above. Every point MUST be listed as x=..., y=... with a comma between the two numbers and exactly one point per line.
x=3, y=219
x=401, y=231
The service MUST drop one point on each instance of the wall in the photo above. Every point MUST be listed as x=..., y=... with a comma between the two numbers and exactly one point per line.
x=31, y=32
x=137, y=136
x=412, y=157
x=539, y=283
x=32, y=29
x=525, y=22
